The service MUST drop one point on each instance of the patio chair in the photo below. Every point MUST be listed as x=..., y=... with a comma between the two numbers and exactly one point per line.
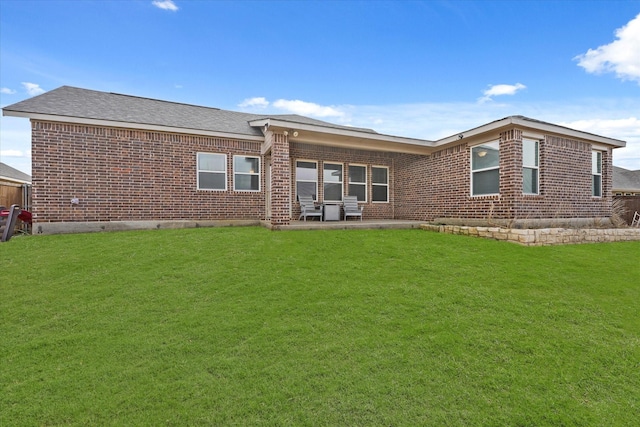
x=8, y=223
x=351, y=207
x=308, y=208
x=636, y=220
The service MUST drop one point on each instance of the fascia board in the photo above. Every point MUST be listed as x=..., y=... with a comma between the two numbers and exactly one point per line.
x=13, y=180
x=532, y=125
x=129, y=125
x=561, y=130
x=345, y=133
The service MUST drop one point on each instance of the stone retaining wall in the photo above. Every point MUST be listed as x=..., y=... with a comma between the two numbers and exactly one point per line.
x=542, y=236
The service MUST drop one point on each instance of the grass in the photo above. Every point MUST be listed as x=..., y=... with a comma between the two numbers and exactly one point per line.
x=244, y=326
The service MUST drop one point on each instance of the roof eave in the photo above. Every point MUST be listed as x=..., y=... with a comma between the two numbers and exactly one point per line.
x=129, y=125
x=324, y=135
x=534, y=125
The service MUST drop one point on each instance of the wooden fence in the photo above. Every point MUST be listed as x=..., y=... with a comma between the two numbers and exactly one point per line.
x=11, y=194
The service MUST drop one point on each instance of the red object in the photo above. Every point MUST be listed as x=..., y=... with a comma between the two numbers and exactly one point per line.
x=25, y=216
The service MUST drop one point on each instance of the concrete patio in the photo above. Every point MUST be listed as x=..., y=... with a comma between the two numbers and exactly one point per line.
x=346, y=225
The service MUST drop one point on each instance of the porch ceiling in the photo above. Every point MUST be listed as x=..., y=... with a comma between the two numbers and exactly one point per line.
x=344, y=137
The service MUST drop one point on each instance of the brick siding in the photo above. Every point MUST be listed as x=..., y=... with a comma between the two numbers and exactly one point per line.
x=127, y=175
x=438, y=186
x=322, y=154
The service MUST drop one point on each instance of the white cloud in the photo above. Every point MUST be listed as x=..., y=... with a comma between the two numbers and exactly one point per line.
x=11, y=153
x=32, y=89
x=307, y=108
x=499, y=90
x=165, y=4
x=622, y=56
x=254, y=102
x=7, y=91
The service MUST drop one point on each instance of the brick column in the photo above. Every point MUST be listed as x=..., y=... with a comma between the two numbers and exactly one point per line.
x=280, y=180
x=510, y=170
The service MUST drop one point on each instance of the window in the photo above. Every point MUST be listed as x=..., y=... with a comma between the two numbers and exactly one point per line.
x=485, y=169
x=530, y=160
x=212, y=171
x=596, y=172
x=379, y=184
x=246, y=173
x=358, y=182
x=307, y=179
x=332, y=178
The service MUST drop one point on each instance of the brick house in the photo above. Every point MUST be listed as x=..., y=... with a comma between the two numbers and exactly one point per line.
x=100, y=157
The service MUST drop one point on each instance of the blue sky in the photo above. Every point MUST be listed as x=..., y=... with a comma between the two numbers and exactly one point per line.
x=424, y=69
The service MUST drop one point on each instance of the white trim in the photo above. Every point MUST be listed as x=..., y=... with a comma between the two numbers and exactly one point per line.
x=358, y=183
x=324, y=183
x=473, y=171
x=530, y=124
x=596, y=173
x=355, y=133
x=129, y=125
x=315, y=162
x=235, y=156
x=210, y=171
x=532, y=167
x=380, y=184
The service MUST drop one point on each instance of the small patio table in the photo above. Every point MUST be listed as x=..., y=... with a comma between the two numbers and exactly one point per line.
x=331, y=211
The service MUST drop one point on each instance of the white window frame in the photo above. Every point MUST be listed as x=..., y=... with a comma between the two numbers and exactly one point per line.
x=315, y=162
x=324, y=183
x=198, y=171
x=474, y=171
x=357, y=182
x=596, y=161
x=378, y=184
x=254, y=173
x=535, y=167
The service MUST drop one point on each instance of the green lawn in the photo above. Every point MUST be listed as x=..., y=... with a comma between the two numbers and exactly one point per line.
x=245, y=326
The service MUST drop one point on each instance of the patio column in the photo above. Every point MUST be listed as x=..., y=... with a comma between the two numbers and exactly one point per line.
x=510, y=170
x=280, y=180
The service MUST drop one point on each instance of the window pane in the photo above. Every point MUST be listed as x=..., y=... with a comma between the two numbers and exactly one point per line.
x=358, y=190
x=306, y=189
x=211, y=162
x=596, y=162
x=306, y=171
x=485, y=156
x=486, y=182
x=597, y=185
x=380, y=193
x=332, y=173
x=530, y=181
x=247, y=182
x=379, y=175
x=357, y=174
x=246, y=164
x=529, y=152
x=333, y=191
x=211, y=181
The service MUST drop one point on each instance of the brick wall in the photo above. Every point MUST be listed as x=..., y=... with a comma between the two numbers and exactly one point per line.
x=438, y=186
x=280, y=179
x=321, y=154
x=126, y=175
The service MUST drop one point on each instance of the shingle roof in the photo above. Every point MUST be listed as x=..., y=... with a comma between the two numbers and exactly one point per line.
x=625, y=180
x=68, y=101
x=7, y=171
